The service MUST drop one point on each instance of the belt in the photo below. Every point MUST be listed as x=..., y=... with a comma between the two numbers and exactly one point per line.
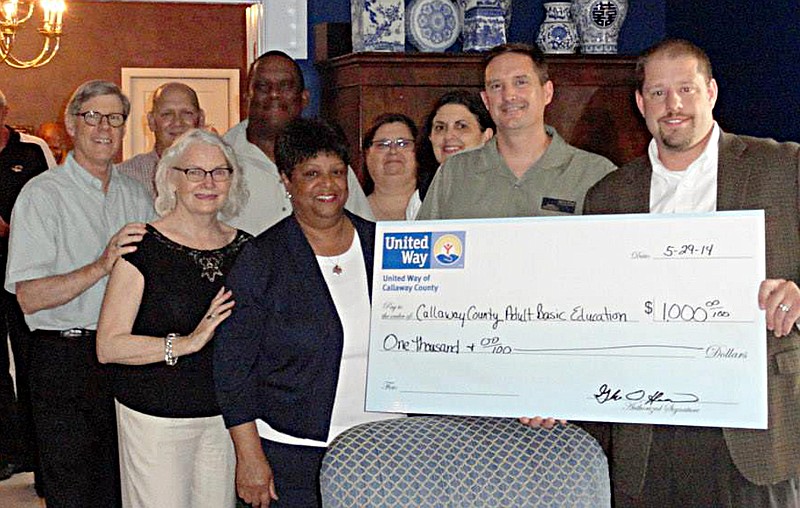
x=72, y=333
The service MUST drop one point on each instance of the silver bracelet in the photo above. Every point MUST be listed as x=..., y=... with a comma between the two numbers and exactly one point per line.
x=168, y=356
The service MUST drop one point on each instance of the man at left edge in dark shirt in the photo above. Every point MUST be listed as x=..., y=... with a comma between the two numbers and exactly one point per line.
x=21, y=158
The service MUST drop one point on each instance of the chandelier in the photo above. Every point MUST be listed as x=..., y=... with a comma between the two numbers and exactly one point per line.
x=14, y=13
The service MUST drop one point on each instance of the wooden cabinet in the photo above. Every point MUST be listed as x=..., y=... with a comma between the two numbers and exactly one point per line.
x=593, y=107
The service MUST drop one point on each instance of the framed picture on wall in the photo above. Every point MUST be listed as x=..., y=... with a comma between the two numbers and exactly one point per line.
x=217, y=90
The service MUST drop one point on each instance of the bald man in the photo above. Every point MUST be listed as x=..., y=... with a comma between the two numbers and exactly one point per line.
x=55, y=135
x=175, y=110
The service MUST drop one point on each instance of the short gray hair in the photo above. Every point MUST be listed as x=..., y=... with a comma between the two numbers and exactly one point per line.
x=165, y=199
x=92, y=89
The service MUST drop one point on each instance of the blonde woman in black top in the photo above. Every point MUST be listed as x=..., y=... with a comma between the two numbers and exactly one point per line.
x=161, y=308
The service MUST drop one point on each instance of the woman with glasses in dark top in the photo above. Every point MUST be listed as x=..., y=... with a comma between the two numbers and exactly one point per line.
x=390, y=177
x=161, y=308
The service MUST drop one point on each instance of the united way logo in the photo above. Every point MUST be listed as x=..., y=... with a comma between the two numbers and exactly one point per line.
x=448, y=250
x=405, y=251
x=424, y=250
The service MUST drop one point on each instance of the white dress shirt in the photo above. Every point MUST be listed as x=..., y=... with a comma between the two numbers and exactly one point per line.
x=268, y=202
x=691, y=190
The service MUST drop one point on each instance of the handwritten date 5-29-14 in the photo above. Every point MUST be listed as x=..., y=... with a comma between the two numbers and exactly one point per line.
x=688, y=250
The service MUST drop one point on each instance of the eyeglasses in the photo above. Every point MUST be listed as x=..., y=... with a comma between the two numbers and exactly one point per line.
x=94, y=118
x=384, y=145
x=283, y=87
x=199, y=174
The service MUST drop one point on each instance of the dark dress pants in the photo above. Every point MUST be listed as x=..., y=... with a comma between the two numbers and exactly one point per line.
x=296, y=470
x=8, y=406
x=691, y=467
x=75, y=423
x=18, y=437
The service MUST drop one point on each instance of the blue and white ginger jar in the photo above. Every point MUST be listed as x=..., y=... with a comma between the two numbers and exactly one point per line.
x=599, y=23
x=558, y=33
x=484, y=24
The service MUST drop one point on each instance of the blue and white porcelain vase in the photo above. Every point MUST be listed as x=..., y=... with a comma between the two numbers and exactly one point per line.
x=599, y=22
x=558, y=34
x=505, y=4
x=378, y=25
x=432, y=25
x=484, y=24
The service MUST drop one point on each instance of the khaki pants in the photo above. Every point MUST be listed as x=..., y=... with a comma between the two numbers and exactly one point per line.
x=175, y=462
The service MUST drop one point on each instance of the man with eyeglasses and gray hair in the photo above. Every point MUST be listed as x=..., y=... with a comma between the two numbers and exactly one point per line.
x=69, y=226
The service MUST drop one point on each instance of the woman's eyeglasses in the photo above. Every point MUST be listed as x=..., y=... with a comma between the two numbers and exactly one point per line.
x=384, y=145
x=199, y=174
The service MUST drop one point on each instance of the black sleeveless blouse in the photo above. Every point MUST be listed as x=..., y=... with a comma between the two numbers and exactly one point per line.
x=179, y=284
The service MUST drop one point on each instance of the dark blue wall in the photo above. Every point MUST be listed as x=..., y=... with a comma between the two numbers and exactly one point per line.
x=320, y=11
x=755, y=52
x=756, y=58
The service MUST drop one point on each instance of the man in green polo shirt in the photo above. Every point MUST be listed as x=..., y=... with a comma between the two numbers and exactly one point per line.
x=527, y=169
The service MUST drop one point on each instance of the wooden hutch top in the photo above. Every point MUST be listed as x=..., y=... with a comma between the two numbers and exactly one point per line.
x=593, y=107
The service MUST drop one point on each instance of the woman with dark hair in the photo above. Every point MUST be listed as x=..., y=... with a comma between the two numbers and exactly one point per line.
x=391, y=176
x=458, y=121
x=290, y=363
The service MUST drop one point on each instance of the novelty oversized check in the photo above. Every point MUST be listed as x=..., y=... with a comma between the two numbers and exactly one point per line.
x=623, y=318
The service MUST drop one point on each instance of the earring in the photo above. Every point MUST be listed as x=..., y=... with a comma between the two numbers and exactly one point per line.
x=288, y=195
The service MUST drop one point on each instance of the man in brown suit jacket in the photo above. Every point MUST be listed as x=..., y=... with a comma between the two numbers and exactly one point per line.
x=692, y=166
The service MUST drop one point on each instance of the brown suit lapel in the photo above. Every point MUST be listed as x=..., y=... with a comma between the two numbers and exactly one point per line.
x=732, y=175
x=639, y=186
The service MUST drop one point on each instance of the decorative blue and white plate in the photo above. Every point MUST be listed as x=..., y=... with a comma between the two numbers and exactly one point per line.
x=432, y=25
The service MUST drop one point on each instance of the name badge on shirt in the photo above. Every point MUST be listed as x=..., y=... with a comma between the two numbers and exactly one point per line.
x=558, y=205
